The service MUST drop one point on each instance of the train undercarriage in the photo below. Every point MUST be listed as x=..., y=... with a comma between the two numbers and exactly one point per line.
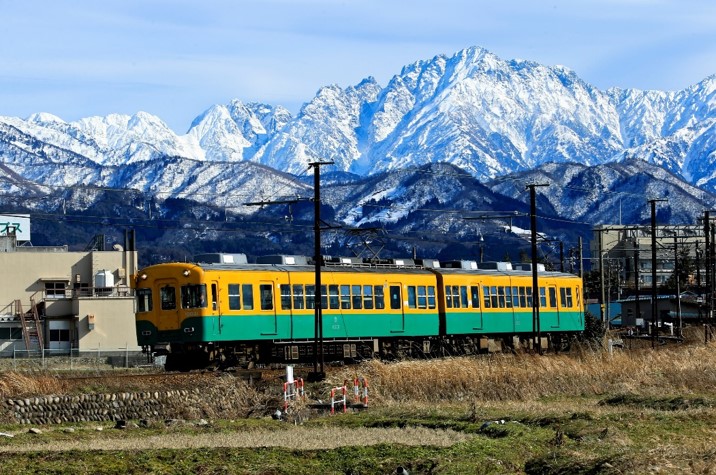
x=248, y=355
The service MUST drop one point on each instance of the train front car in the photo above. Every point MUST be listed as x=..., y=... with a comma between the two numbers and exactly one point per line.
x=174, y=311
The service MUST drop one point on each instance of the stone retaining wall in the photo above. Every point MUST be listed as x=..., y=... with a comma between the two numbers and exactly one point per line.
x=100, y=407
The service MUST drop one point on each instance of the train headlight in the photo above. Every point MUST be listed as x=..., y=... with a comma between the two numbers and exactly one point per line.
x=186, y=273
x=143, y=276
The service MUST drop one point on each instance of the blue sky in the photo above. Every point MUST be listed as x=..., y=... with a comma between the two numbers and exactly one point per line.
x=176, y=58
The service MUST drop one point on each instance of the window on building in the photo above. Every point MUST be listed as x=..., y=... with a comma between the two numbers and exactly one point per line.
x=10, y=333
x=55, y=289
x=59, y=335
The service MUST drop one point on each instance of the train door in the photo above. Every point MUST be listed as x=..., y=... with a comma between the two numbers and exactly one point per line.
x=268, y=321
x=552, y=294
x=475, y=307
x=168, y=311
x=397, y=319
x=214, y=306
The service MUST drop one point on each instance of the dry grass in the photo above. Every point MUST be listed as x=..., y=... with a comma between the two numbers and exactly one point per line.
x=13, y=384
x=291, y=437
x=688, y=369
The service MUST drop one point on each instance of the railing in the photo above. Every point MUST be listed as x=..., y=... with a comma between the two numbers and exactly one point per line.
x=75, y=359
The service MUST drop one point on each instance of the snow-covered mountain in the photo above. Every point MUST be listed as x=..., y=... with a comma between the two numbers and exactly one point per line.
x=487, y=116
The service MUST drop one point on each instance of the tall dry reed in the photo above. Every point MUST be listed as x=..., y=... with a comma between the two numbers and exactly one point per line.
x=690, y=369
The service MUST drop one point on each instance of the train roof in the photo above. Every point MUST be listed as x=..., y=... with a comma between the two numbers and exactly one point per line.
x=411, y=268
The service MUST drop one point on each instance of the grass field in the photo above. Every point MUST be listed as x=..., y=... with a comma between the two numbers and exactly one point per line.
x=638, y=411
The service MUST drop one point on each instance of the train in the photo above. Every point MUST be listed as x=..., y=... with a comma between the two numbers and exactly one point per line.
x=222, y=311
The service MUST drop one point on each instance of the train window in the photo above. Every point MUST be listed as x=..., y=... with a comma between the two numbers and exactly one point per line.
x=357, y=296
x=463, y=296
x=448, y=296
x=475, y=296
x=523, y=298
x=431, y=296
x=508, y=297
x=193, y=296
x=333, y=293
x=501, y=297
x=298, y=296
x=168, y=297
x=493, y=297
x=422, y=297
x=324, y=297
x=412, y=297
x=529, y=296
x=368, y=297
x=266, y=296
x=565, y=297
x=552, y=297
x=214, y=296
x=285, y=298
x=578, y=294
x=515, y=297
x=345, y=297
x=379, y=299
x=395, y=297
x=542, y=297
x=144, y=300
x=247, y=291
x=311, y=296
x=234, y=297
x=486, y=296
x=456, y=296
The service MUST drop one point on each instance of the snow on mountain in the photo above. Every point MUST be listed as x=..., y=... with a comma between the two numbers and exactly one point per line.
x=608, y=193
x=327, y=128
x=236, y=131
x=473, y=110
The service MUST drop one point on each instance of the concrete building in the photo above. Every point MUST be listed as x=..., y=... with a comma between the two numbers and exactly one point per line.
x=78, y=300
x=625, y=250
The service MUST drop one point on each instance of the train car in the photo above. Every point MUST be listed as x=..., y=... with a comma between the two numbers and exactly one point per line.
x=221, y=313
x=492, y=308
x=237, y=313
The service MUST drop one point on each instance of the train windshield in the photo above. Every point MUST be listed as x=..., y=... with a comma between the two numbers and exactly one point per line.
x=144, y=300
x=193, y=296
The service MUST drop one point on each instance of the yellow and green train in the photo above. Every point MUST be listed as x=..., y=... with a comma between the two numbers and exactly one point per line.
x=237, y=313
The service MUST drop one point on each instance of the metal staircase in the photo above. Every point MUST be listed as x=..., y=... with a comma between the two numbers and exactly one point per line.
x=31, y=326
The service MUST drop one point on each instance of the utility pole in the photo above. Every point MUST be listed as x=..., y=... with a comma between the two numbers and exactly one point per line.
x=581, y=259
x=636, y=278
x=535, y=283
x=601, y=278
x=318, y=373
x=654, y=313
